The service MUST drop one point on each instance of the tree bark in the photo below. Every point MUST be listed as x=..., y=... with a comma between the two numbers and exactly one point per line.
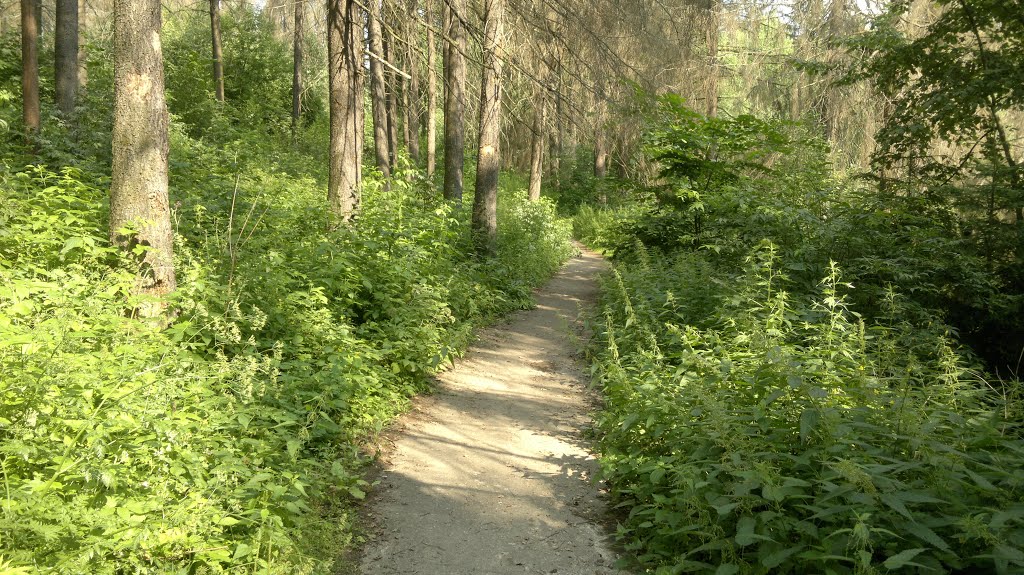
x=454, y=100
x=30, y=68
x=391, y=84
x=218, y=55
x=65, y=63
x=488, y=166
x=378, y=97
x=537, y=151
x=412, y=94
x=297, y=57
x=138, y=184
x=431, y=94
x=345, y=59
x=714, y=11
x=557, y=133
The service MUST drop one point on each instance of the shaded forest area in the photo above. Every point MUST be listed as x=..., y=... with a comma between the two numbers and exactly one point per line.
x=236, y=237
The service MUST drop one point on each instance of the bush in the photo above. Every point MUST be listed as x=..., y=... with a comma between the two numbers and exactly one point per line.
x=230, y=440
x=750, y=430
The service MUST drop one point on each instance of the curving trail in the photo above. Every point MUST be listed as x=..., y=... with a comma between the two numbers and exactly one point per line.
x=490, y=475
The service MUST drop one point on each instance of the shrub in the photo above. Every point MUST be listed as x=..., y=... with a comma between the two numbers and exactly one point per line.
x=752, y=430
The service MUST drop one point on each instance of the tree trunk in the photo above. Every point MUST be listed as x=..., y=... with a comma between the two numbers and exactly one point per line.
x=600, y=154
x=454, y=99
x=297, y=57
x=391, y=83
x=218, y=56
x=345, y=59
x=378, y=97
x=30, y=68
x=488, y=166
x=557, y=133
x=138, y=183
x=412, y=96
x=537, y=152
x=714, y=12
x=431, y=94
x=65, y=62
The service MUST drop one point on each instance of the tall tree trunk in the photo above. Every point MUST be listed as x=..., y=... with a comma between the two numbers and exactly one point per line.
x=455, y=99
x=412, y=95
x=488, y=165
x=600, y=153
x=557, y=133
x=138, y=183
x=218, y=56
x=65, y=62
x=600, y=138
x=431, y=93
x=378, y=97
x=297, y=57
x=714, y=14
x=30, y=67
x=345, y=60
x=537, y=151
x=391, y=83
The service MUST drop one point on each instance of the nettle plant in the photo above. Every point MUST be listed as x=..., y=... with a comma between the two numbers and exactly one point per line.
x=760, y=432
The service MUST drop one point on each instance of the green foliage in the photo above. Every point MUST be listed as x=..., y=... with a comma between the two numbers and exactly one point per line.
x=950, y=143
x=707, y=152
x=756, y=423
x=753, y=430
x=230, y=440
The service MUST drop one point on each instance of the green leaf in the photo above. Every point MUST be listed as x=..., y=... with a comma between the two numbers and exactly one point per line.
x=777, y=558
x=808, y=422
x=904, y=558
x=242, y=550
x=927, y=535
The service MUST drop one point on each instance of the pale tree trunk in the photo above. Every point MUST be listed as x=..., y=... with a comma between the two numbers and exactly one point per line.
x=391, y=108
x=30, y=67
x=378, y=97
x=345, y=60
x=714, y=14
x=537, y=151
x=218, y=55
x=488, y=166
x=412, y=96
x=600, y=153
x=298, y=54
x=66, y=57
x=557, y=133
x=138, y=183
x=454, y=100
x=600, y=138
x=601, y=150
x=431, y=93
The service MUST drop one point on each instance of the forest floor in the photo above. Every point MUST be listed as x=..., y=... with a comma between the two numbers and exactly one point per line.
x=491, y=474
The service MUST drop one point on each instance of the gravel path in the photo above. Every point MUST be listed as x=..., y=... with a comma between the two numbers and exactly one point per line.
x=490, y=475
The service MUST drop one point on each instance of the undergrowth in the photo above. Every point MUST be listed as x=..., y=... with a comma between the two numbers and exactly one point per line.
x=782, y=393
x=229, y=441
x=753, y=430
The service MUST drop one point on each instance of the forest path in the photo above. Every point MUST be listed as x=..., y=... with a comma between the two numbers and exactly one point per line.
x=491, y=475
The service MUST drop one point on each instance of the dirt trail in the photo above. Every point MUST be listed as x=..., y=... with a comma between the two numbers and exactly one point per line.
x=490, y=475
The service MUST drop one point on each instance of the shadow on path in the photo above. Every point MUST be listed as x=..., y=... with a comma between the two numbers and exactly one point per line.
x=491, y=475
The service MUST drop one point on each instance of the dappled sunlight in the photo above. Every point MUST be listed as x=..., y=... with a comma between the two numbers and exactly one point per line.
x=491, y=474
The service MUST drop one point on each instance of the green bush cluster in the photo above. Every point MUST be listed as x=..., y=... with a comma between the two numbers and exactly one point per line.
x=225, y=440
x=761, y=419
x=751, y=429
x=231, y=439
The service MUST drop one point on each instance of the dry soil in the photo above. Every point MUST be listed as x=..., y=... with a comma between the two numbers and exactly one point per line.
x=491, y=475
